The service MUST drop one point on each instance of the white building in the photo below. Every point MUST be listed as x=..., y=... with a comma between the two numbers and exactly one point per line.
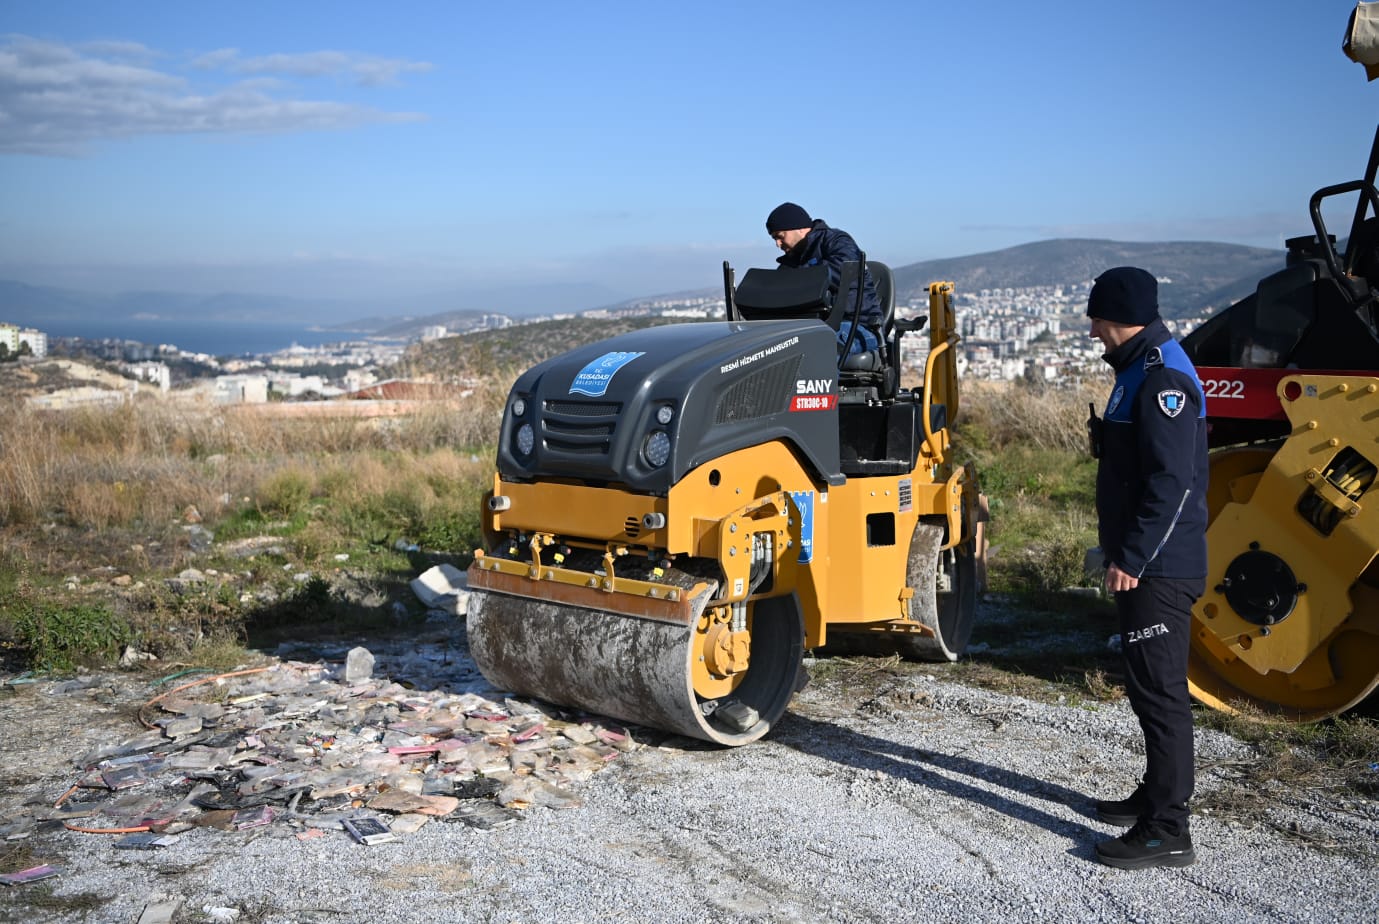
x=12, y=336
x=356, y=379
x=294, y=386
x=241, y=389
x=157, y=373
x=37, y=341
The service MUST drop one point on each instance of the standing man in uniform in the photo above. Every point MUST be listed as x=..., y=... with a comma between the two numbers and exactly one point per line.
x=1151, y=507
x=809, y=241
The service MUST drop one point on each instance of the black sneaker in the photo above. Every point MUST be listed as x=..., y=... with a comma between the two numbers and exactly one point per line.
x=1123, y=812
x=1144, y=847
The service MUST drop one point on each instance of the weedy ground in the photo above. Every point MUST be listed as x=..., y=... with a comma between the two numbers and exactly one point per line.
x=318, y=524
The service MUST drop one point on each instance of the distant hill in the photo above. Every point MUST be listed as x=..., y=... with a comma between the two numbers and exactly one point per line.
x=1204, y=275
x=503, y=353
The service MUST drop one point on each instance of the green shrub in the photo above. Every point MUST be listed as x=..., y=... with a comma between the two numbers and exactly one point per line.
x=1029, y=448
x=285, y=493
x=58, y=636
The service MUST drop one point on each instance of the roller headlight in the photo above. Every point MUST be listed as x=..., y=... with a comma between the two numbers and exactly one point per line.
x=519, y=407
x=657, y=448
x=526, y=439
x=664, y=414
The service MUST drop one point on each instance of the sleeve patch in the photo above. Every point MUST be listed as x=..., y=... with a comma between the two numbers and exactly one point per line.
x=1171, y=402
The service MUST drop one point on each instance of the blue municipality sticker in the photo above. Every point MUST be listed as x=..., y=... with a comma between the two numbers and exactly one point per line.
x=804, y=502
x=593, y=379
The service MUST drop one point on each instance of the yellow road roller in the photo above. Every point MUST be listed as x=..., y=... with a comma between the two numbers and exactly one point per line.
x=1290, y=619
x=679, y=513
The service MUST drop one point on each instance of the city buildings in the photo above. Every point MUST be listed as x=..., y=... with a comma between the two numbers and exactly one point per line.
x=14, y=338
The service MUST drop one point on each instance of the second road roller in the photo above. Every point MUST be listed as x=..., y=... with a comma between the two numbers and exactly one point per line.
x=1290, y=619
x=679, y=513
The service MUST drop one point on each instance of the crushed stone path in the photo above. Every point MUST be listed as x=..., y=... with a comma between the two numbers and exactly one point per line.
x=915, y=799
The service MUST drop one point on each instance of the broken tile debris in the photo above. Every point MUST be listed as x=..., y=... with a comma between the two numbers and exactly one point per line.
x=330, y=745
x=32, y=874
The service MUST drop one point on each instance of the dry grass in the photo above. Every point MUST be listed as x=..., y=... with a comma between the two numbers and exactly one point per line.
x=93, y=497
x=147, y=462
x=1029, y=445
x=1037, y=418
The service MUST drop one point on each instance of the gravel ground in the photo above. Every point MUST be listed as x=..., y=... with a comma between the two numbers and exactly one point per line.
x=904, y=798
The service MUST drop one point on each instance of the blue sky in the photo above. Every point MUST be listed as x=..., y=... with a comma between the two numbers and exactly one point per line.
x=367, y=149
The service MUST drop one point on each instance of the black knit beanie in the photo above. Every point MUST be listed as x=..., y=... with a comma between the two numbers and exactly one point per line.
x=1126, y=295
x=787, y=217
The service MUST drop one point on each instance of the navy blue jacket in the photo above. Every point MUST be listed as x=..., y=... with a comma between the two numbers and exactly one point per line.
x=1151, y=488
x=834, y=247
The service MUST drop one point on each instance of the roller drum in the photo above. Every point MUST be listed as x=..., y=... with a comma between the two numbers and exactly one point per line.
x=634, y=668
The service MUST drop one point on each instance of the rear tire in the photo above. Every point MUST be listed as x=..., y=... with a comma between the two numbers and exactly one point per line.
x=952, y=613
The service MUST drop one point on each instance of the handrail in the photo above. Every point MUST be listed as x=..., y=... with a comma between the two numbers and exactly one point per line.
x=934, y=351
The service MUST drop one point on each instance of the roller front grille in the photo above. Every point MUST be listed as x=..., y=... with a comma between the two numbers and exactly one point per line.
x=760, y=394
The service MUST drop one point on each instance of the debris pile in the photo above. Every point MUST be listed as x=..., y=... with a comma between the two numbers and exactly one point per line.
x=317, y=749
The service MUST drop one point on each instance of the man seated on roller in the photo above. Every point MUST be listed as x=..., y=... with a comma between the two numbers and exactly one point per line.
x=810, y=242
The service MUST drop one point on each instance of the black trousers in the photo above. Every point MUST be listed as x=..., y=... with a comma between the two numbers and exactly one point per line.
x=1155, y=619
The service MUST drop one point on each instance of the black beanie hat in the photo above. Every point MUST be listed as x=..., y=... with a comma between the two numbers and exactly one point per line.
x=1126, y=295
x=787, y=217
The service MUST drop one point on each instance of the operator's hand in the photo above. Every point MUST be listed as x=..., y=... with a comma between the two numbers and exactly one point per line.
x=1117, y=580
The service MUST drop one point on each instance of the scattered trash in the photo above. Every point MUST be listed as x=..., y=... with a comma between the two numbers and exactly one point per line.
x=145, y=840
x=323, y=747
x=369, y=830
x=486, y=816
x=252, y=817
x=160, y=911
x=72, y=686
x=220, y=914
x=32, y=874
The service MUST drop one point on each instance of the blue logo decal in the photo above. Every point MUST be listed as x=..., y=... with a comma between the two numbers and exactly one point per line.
x=593, y=379
x=1116, y=397
x=1171, y=401
x=804, y=502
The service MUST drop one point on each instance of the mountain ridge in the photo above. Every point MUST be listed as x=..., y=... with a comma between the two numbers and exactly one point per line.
x=1202, y=276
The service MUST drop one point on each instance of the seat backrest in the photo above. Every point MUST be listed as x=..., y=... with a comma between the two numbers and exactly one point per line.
x=787, y=292
x=845, y=304
x=885, y=291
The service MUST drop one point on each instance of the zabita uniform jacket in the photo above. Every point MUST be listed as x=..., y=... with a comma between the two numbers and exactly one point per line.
x=1152, y=479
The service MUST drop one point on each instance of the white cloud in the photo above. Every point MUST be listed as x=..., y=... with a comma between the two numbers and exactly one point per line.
x=57, y=99
x=365, y=70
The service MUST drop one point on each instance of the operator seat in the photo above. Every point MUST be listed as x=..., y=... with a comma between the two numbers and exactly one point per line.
x=873, y=374
x=804, y=292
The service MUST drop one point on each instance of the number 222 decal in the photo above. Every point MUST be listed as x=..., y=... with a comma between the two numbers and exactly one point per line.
x=1223, y=388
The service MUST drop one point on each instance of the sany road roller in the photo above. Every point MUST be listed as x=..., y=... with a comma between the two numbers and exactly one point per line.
x=1290, y=619
x=680, y=512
